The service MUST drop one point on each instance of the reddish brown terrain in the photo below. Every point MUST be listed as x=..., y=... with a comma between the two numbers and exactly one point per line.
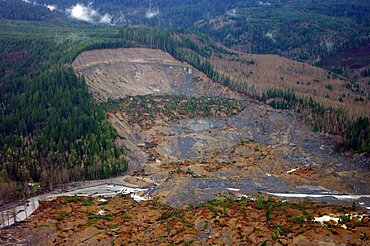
x=353, y=58
x=262, y=72
x=122, y=221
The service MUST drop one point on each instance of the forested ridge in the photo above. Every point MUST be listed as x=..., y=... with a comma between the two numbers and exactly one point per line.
x=300, y=30
x=50, y=130
x=21, y=10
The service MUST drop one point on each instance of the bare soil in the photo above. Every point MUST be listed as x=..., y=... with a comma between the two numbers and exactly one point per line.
x=121, y=221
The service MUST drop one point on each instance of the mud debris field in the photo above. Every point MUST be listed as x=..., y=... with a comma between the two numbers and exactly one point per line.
x=122, y=221
x=199, y=158
x=192, y=159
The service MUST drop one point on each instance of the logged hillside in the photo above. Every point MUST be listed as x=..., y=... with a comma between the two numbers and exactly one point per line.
x=269, y=72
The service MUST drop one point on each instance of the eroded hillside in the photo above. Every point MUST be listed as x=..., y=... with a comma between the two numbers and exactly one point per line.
x=113, y=74
x=192, y=158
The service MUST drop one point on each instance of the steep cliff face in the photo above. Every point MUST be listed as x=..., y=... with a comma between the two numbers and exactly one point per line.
x=113, y=74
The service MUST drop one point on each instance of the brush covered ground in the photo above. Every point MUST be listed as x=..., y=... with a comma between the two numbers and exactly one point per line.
x=122, y=221
x=266, y=72
x=148, y=109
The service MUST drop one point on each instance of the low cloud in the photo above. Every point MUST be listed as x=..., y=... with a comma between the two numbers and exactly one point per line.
x=88, y=14
x=263, y=3
x=150, y=13
x=119, y=18
x=27, y=1
x=51, y=7
x=231, y=12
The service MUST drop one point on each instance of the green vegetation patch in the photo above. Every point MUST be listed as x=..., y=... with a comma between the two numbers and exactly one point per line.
x=93, y=217
x=83, y=201
x=143, y=110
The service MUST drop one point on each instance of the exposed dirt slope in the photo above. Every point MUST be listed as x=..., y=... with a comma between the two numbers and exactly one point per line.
x=138, y=71
x=121, y=221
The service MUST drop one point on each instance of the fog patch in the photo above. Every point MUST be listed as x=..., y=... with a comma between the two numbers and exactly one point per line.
x=119, y=18
x=71, y=38
x=151, y=12
x=51, y=7
x=271, y=35
x=87, y=13
x=263, y=3
x=29, y=2
x=231, y=12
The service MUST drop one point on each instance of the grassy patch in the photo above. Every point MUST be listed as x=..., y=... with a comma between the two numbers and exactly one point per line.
x=169, y=215
x=259, y=201
x=93, y=217
x=127, y=217
x=88, y=201
x=62, y=216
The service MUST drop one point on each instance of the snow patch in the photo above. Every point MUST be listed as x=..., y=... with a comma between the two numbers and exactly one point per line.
x=51, y=7
x=138, y=198
x=151, y=12
x=101, y=212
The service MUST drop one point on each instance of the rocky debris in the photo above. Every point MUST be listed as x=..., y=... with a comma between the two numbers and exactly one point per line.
x=71, y=221
x=250, y=149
